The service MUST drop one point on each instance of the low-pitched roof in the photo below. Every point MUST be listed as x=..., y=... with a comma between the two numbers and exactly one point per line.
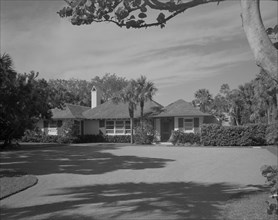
x=180, y=108
x=69, y=112
x=111, y=110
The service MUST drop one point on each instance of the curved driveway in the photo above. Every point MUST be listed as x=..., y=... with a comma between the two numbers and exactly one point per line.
x=106, y=181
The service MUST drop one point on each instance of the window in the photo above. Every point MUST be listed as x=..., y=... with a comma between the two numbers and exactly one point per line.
x=127, y=127
x=109, y=127
x=188, y=124
x=101, y=123
x=120, y=127
x=52, y=124
x=117, y=127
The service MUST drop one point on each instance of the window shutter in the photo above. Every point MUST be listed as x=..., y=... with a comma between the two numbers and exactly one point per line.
x=101, y=123
x=45, y=124
x=196, y=123
x=59, y=123
x=45, y=127
x=181, y=123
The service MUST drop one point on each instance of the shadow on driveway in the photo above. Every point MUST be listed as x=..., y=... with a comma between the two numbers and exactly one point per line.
x=78, y=159
x=172, y=200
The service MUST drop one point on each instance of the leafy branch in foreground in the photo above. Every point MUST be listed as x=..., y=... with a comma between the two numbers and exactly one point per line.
x=127, y=13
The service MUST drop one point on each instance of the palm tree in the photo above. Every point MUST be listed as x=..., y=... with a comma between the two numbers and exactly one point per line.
x=145, y=90
x=128, y=95
x=204, y=99
x=7, y=73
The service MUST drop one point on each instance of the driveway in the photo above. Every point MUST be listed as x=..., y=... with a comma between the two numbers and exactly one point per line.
x=114, y=181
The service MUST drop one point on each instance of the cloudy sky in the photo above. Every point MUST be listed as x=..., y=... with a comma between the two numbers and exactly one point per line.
x=201, y=48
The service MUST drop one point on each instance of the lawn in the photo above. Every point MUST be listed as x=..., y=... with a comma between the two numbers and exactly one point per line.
x=137, y=182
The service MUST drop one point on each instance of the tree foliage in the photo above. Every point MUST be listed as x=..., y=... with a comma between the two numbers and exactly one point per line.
x=78, y=92
x=145, y=90
x=203, y=99
x=110, y=84
x=73, y=91
x=252, y=102
x=127, y=13
x=24, y=100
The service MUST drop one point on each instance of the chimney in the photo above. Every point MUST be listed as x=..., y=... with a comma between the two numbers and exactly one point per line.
x=95, y=97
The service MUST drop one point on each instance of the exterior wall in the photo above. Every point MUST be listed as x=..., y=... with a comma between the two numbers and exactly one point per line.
x=91, y=127
x=193, y=130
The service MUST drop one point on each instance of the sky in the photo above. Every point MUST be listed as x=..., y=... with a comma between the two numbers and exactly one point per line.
x=204, y=47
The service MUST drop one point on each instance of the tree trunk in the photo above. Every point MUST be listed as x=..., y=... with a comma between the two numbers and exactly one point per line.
x=268, y=115
x=131, y=115
x=131, y=132
x=265, y=53
x=142, y=113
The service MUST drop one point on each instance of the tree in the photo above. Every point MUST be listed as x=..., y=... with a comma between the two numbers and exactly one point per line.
x=128, y=95
x=78, y=92
x=110, y=84
x=203, y=99
x=24, y=100
x=134, y=13
x=145, y=90
x=265, y=91
x=61, y=93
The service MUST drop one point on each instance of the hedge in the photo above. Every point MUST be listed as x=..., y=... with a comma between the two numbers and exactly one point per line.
x=272, y=134
x=179, y=137
x=216, y=135
x=117, y=138
x=211, y=135
x=31, y=136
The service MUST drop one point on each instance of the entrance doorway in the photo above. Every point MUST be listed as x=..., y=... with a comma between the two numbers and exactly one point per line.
x=167, y=126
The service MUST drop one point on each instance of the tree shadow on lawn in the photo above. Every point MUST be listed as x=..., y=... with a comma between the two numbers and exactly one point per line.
x=172, y=200
x=80, y=159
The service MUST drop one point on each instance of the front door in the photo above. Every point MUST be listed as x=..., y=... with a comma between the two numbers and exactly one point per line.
x=167, y=126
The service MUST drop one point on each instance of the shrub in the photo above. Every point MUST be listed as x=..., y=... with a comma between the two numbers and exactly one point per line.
x=69, y=129
x=90, y=138
x=216, y=135
x=144, y=134
x=272, y=134
x=31, y=136
x=271, y=175
x=49, y=139
x=179, y=137
x=117, y=138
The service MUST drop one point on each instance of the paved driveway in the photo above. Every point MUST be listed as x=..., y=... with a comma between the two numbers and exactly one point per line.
x=96, y=181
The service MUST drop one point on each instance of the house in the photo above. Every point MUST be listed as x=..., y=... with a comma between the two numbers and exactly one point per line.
x=113, y=119
x=180, y=115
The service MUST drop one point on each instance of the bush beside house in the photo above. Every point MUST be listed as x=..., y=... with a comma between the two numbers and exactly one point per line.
x=272, y=134
x=179, y=137
x=210, y=135
x=216, y=135
x=144, y=134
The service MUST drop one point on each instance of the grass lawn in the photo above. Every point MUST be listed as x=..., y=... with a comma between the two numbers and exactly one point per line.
x=133, y=182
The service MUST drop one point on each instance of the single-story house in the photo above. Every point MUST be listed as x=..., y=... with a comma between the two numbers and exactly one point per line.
x=113, y=119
